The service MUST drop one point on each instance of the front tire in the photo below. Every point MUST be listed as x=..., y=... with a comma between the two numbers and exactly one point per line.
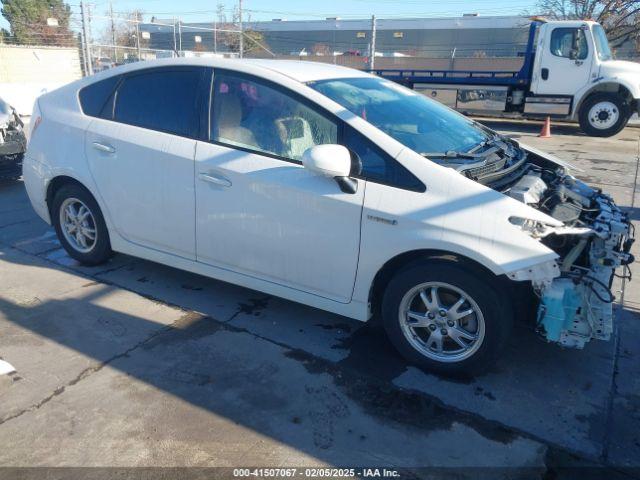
x=604, y=115
x=80, y=226
x=446, y=318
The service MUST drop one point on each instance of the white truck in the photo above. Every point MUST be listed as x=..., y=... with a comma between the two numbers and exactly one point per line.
x=568, y=73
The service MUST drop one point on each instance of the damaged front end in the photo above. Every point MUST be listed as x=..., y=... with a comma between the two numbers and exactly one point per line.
x=13, y=142
x=592, y=237
x=590, y=233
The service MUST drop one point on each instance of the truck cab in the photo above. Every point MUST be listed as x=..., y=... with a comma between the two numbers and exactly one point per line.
x=575, y=71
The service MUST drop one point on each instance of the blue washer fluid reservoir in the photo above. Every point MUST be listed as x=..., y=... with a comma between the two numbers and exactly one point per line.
x=558, y=307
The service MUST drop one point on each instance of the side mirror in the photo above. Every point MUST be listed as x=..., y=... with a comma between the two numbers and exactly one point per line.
x=573, y=54
x=332, y=161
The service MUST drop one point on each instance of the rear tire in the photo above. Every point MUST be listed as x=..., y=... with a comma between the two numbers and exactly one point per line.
x=80, y=225
x=462, y=332
x=604, y=114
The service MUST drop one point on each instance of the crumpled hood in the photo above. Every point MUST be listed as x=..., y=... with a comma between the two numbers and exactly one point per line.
x=550, y=157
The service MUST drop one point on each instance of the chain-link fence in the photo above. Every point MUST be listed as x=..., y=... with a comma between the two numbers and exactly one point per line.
x=126, y=38
x=106, y=38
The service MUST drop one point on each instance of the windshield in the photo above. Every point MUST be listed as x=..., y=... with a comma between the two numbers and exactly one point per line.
x=602, y=44
x=416, y=121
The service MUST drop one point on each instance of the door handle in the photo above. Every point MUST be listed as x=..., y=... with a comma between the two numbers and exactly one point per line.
x=103, y=147
x=545, y=73
x=215, y=179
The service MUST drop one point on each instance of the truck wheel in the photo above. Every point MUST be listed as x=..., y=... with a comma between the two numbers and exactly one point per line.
x=604, y=114
x=79, y=225
x=446, y=318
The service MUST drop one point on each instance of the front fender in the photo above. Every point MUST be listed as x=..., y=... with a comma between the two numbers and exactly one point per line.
x=606, y=84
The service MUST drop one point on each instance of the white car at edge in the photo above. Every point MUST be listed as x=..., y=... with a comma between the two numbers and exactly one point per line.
x=333, y=188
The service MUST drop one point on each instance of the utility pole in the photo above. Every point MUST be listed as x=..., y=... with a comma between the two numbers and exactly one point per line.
x=180, y=35
x=175, y=46
x=113, y=33
x=89, y=33
x=215, y=36
x=372, y=44
x=138, y=37
x=85, y=41
x=241, y=30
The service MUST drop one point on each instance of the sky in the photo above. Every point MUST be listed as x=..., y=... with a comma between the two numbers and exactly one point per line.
x=204, y=10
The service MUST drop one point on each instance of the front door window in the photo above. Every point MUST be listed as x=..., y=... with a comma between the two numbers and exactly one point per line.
x=250, y=114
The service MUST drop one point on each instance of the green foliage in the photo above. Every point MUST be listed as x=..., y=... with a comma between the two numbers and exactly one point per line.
x=28, y=22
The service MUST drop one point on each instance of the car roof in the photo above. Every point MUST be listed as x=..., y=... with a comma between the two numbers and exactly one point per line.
x=301, y=71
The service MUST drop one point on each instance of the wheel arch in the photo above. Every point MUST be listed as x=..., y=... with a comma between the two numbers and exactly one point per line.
x=395, y=264
x=56, y=183
x=609, y=86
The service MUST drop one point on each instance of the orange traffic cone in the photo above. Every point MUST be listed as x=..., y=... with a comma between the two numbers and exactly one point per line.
x=546, y=129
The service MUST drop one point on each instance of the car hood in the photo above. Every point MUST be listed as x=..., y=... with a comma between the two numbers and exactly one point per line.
x=550, y=157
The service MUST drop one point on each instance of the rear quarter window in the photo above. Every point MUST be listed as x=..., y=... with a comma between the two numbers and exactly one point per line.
x=165, y=100
x=94, y=97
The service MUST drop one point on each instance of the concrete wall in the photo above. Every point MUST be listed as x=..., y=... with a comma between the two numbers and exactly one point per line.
x=27, y=72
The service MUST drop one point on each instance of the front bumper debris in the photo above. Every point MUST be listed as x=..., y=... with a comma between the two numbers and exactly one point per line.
x=578, y=305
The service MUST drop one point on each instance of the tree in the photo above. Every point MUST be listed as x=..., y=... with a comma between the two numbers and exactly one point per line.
x=620, y=18
x=28, y=22
x=253, y=39
x=125, y=34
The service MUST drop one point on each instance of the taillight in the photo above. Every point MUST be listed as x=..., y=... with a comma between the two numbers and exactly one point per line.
x=36, y=123
x=36, y=119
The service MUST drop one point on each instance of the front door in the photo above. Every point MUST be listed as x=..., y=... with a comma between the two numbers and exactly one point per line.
x=259, y=212
x=142, y=158
x=565, y=60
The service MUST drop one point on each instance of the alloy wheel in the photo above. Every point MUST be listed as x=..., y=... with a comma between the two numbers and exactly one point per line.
x=78, y=225
x=442, y=321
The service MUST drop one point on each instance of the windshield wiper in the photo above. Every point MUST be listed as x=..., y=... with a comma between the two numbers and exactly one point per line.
x=449, y=154
x=462, y=155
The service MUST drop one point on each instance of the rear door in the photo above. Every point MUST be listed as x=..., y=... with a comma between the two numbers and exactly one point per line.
x=141, y=154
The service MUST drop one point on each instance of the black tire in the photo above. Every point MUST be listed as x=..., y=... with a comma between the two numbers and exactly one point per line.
x=482, y=288
x=621, y=107
x=100, y=250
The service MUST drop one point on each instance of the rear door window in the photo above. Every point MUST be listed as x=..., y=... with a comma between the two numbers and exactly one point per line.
x=166, y=100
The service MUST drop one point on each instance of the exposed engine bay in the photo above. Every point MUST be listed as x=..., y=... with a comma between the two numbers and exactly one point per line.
x=13, y=142
x=594, y=240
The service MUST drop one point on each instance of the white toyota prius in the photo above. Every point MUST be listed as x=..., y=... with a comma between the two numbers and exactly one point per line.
x=333, y=188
